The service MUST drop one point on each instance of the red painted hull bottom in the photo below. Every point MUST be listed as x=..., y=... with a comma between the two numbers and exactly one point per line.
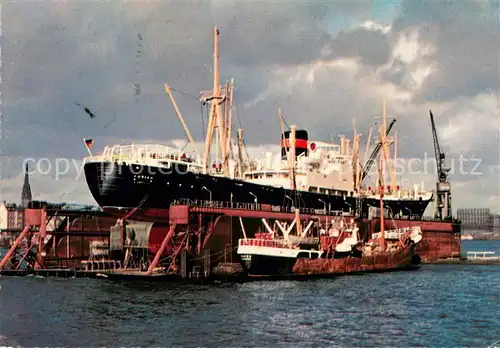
x=387, y=261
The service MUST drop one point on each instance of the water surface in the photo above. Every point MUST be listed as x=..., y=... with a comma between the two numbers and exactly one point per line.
x=436, y=306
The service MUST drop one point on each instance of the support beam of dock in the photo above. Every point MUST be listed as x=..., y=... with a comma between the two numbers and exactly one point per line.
x=16, y=244
x=167, y=239
x=210, y=231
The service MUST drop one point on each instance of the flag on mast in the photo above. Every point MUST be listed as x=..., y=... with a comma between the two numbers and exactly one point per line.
x=88, y=144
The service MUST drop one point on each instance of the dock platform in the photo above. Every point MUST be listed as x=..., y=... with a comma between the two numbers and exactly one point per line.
x=51, y=273
x=190, y=240
x=472, y=258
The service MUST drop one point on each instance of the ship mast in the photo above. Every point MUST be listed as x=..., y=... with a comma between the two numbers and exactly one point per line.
x=240, y=152
x=355, y=157
x=382, y=164
x=368, y=141
x=218, y=110
x=381, y=193
x=229, y=144
x=384, y=147
x=225, y=123
x=216, y=116
x=282, y=125
x=395, y=160
x=386, y=151
x=291, y=158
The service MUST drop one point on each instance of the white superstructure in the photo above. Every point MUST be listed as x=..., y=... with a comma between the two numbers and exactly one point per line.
x=327, y=168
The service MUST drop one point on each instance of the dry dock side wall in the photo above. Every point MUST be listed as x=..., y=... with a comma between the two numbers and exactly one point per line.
x=441, y=240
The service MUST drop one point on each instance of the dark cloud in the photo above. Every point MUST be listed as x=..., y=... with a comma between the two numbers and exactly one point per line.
x=284, y=33
x=89, y=53
x=296, y=38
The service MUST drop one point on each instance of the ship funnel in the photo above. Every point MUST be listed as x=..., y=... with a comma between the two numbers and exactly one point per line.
x=301, y=141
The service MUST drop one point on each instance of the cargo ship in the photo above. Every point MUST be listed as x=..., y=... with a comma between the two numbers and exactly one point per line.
x=153, y=176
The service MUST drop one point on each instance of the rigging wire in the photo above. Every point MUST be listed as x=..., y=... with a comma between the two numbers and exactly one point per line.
x=284, y=121
x=137, y=85
x=202, y=104
x=238, y=115
x=202, y=122
x=241, y=126
x=185, y=94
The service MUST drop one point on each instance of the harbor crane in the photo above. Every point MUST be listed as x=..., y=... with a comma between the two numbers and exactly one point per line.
x=442, y=199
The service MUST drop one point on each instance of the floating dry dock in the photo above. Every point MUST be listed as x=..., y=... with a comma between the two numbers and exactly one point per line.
x=185, y=241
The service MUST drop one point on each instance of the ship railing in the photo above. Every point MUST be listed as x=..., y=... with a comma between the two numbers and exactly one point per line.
x=428, y=218
x=246, y=206
x=95, y=158
x=453, y=220
x=398, y=233
x=402, y=193
x=141, y=152
x=260, y=242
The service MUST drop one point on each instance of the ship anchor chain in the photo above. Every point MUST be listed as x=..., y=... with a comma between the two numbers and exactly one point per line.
x=132, y=212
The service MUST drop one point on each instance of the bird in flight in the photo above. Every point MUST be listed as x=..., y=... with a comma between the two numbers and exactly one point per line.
x=87, y=110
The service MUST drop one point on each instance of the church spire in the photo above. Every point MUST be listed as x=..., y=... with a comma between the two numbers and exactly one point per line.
x=26, y=194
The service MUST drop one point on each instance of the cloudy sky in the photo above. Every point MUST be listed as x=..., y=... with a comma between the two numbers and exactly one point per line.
x=323, y=63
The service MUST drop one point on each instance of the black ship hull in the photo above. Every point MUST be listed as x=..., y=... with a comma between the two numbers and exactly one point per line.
x=116, y=185
x=262, y=265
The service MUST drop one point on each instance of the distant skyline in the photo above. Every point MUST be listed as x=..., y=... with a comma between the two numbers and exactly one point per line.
x=322, y=63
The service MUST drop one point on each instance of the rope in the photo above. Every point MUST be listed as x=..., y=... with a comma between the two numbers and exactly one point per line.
x=284, y=121
x=185, y=94
x=238, y=115
x=136, y=208
x=137, y=74
x=202, y=122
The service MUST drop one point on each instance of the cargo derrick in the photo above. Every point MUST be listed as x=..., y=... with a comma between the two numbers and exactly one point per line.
x=375, y=153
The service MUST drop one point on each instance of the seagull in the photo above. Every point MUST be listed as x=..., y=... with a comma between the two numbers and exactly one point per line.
x=87, y=110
